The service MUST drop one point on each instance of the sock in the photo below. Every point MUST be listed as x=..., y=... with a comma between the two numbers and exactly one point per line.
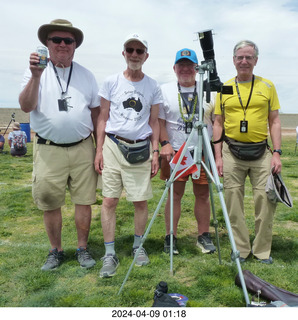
x=137, y=241
x=110, y=247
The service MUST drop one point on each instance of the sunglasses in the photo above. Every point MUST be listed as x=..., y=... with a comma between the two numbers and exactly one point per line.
x=138, y=51
x=67, y=41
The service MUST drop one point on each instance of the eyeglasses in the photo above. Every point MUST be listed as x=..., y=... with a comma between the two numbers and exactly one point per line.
x=138, y=51
x=67, y=41
x=247, y=58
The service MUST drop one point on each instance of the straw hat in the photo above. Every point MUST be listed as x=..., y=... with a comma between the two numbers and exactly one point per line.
x=60, y=25
x=277, y=191
x=16, y=126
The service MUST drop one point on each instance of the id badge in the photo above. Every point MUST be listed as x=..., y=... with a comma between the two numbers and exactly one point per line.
x=243, y=126
x=62, y=105
x=188, y=127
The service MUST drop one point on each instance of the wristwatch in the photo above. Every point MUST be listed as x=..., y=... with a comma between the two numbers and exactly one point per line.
x=163, y=143
x=278, y=151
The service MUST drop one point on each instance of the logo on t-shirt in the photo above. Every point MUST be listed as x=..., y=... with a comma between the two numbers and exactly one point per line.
x=133, y=104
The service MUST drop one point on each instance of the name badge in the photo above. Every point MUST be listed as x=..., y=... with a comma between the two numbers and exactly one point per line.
x=188, y=127
x=243, y=126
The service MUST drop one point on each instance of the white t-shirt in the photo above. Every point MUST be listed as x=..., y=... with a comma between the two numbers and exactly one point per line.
x=130, y=105
x=75, y=123
x=170, y=111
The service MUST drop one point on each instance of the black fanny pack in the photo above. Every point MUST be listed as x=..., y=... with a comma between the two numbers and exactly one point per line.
x=136, y=153
x=246, y=150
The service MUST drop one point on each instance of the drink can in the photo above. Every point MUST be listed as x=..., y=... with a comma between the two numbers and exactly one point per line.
x=43, y=56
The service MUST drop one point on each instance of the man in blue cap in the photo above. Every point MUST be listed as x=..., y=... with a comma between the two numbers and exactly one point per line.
x=176, y=119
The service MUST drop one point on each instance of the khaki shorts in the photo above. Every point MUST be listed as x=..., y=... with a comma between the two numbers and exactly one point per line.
x=57, y=168
x=165, y=173
x=118, y=174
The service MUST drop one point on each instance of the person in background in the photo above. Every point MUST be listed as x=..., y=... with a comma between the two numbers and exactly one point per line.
x=17, y=140
x=2, y=142
x=128, y=119
x=175, y=118
x=63, y=103
x=244, y=117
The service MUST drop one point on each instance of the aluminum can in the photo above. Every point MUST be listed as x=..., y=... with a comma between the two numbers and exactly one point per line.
x=43, y=56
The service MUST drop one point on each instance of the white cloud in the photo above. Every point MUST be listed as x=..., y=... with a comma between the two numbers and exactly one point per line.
x=168, y=25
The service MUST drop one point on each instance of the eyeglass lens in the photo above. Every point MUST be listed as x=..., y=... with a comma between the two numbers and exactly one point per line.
x=248, y=58
x=59, y=40
x=131, y=50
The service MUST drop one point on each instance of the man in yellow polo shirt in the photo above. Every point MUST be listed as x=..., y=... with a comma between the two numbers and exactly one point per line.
x=244, y=116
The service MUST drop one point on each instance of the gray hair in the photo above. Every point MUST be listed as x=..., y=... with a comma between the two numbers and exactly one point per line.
x=244, y=43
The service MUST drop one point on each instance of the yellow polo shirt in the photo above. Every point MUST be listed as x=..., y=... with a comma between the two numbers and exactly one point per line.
x=263, y=100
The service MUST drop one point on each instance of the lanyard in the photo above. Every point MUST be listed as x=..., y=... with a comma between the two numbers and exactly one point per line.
x=188, y=106
x=250, y=94
x=68, y=81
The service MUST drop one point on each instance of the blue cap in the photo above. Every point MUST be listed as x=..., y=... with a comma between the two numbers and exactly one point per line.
x=186, y=54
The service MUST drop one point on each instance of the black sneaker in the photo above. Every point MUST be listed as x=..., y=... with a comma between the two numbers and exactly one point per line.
x=55, y=258
x=205, y=243
x=84, y=258
x=266, y=261
x=167, y=244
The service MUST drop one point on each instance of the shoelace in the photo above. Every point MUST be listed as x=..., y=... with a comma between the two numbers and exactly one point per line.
x=85, y=255
x=108, y=260
x=141, y=253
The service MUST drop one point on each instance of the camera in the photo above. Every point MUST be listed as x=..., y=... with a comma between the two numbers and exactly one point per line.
x=214, y=83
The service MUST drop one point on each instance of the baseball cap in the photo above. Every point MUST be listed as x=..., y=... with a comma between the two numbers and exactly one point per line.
x=186, y=54
x=136, y=37
x=277, y=191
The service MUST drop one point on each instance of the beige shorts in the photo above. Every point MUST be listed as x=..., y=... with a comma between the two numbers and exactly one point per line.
x=57, y=168
x=118, y=174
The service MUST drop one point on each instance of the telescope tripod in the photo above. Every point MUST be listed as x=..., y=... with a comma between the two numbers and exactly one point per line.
x=203, y=145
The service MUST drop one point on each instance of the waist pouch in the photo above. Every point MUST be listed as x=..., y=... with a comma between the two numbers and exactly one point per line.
x=136, y=153
x=246, y=150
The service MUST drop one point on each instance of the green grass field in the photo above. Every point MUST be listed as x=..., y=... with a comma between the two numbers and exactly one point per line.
x=24, y=246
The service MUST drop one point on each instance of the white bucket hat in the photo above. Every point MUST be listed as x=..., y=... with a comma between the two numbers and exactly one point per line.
x=277, y=191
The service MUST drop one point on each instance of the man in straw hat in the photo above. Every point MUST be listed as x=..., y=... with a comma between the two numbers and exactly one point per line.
x=63, y=103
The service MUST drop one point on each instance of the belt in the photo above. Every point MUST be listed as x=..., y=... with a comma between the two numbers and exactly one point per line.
x=124, y=139
x=41, y=140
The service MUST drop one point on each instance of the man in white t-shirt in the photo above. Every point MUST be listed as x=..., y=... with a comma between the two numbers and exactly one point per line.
x=63, y=103
x=128, y=121
x=176, y=117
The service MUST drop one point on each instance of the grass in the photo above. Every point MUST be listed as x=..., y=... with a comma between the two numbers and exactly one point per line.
x=206, y=283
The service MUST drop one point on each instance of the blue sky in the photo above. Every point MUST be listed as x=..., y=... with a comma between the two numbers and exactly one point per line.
x=168, y=25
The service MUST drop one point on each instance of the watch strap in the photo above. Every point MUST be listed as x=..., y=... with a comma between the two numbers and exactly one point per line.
x=163, y=143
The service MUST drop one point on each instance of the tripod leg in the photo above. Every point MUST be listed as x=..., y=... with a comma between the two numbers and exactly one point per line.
x=215, y=222
x=144, y=237
x=224, y=210
x=8, y=126
x=168, y=184
x=171, y=227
